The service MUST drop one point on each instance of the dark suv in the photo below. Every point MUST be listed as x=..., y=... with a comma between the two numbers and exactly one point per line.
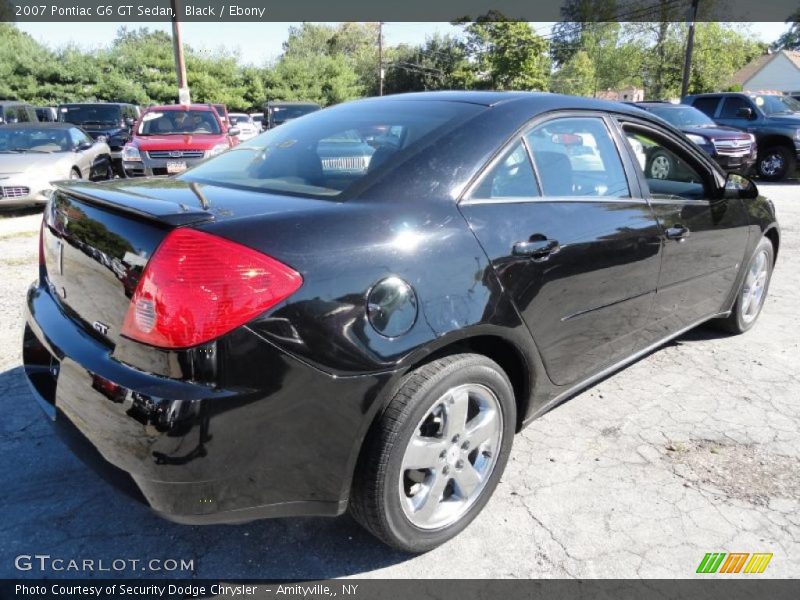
x=112, y=120
x=772, y=118
x=734, y=150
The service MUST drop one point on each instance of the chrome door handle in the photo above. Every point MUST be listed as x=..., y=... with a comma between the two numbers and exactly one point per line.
x=538, y=250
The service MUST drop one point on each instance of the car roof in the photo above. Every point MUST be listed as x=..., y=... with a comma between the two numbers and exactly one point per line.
x=164, y=107
x=14, y=103
x=41, y=125
x=95, y=104
x=291, y=103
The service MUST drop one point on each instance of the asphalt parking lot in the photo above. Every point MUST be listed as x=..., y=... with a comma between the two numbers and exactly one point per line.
x=693, y=449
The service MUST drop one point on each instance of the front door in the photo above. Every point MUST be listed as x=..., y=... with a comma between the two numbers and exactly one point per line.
x=571, y=241
x=704, y=237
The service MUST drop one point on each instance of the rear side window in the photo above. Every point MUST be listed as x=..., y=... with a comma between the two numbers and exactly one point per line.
x=707, y=105
x=731, y=107
x=575, y=156
x=327, y=152
x=511, y=177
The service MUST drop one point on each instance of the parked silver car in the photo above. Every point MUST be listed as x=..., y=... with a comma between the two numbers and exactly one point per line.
x=34, y=154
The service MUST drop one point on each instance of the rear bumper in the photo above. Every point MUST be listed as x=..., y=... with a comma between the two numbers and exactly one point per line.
x=196, y=453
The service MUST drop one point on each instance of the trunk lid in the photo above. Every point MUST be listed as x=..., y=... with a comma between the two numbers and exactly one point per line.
x=99, y=237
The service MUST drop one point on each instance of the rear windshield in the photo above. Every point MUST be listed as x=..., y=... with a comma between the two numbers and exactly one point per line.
x=90, y=114
x=176, y=122
x=326, y=153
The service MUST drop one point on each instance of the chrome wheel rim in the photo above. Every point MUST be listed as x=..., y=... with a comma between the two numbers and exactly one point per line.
x=755, y=284
x=660, y=167
x=771, y=164
x=450, y=456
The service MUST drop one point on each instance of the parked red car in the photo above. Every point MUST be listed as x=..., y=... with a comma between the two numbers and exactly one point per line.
x=169, y=139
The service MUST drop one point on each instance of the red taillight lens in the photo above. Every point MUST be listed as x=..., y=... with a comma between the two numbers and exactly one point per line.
x=197, y=287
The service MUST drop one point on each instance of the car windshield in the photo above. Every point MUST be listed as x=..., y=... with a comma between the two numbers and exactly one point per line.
x=682, y=116
x=23, y=140
x=776, y=105
x=177, y=122
x=326, y=153
x=90, y=114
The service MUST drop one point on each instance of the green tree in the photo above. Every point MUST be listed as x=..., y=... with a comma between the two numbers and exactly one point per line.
x=438, y=64
x=576, y=76
x=506, y=55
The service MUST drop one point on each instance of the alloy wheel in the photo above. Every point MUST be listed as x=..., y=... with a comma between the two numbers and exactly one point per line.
x=660, y=167
x=755, y=284
x=451, y=456
x=771, y=164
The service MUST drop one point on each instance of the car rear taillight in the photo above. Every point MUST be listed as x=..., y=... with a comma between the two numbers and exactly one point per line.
x=197, y=287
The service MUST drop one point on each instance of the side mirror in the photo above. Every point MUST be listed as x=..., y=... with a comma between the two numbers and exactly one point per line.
x=745, y=112
x=129, y=122
x=739, y=187
x=233, y=132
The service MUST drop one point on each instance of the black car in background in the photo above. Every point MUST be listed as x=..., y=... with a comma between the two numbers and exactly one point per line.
x=270, y=334
x=734, y=150
x=279, y=113
x=773, y=119
x=13, y=111
x=111, y=120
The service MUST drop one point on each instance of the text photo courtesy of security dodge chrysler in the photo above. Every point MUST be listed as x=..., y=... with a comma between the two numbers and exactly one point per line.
x=358, y=309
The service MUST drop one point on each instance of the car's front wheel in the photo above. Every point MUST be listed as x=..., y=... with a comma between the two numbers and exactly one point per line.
x=776, y=163
x=434, y=457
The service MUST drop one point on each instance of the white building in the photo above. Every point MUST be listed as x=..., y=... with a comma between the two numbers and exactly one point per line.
x=777, y=72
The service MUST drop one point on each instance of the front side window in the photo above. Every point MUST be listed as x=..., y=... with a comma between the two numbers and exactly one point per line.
x=327, y=152
x=708, y=105
x=177, y=122
x=730, y=110
x=575, y=156
x=511, y=177
x=667, y=169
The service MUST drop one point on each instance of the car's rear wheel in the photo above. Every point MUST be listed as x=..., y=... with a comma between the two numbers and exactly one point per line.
x=753, y=291
x=434, y=457
x=776, y=163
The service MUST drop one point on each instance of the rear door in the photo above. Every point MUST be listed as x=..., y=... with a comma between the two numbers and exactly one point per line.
x=560, y=216
x=704, y=237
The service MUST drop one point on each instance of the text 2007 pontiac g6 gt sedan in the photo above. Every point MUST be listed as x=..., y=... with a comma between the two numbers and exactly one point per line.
x=276, y=332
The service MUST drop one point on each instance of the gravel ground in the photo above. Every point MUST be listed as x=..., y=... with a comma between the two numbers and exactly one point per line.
x=693, y=449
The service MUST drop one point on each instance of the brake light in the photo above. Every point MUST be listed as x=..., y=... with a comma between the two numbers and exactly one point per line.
x=197, y=287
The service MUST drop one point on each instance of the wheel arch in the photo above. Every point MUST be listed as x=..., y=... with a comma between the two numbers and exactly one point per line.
x=774, y=139
x=774, y=237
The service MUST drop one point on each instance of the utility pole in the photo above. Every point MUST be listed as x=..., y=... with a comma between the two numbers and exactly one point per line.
x=687, y=62
x=180, y=65
x=380, y=58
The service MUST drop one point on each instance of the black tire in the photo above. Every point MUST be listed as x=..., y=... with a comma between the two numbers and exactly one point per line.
x=75, y=173
x=109, y=172
x=660, y=166
x=776, y=163
x=737, y=322
x=375, y=500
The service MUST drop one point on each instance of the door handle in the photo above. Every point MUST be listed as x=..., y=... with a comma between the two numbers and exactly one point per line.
x=538, y=250
x=677, y=232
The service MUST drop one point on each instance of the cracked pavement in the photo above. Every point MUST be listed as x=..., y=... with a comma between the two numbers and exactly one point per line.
x=693, y=449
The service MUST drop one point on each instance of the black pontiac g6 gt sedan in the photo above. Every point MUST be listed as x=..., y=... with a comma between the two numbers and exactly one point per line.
x=272, y=334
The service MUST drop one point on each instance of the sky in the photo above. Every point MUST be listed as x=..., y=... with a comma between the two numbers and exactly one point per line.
x=261, y=42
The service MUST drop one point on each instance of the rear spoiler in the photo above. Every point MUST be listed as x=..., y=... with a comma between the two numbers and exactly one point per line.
x=131, y=203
